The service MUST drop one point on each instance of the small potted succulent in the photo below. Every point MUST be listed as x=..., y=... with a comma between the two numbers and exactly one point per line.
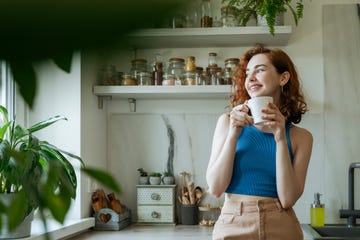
x=155, y=178
x=143, y=178
x=168, y=178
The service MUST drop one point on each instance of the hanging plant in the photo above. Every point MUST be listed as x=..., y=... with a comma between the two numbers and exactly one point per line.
x=268, y=9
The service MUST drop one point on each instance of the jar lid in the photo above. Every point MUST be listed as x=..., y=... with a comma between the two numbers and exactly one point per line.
x=128, y=76
x=212, y=54
x=213, y=69
x=232, y=60
x=176, y=60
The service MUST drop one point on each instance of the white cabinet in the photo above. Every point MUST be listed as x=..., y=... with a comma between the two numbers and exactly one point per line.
x=156, y=204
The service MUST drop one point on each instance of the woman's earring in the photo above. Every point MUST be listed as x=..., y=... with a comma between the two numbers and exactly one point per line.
x=282, y=88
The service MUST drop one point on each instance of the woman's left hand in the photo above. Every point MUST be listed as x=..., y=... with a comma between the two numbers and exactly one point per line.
x=275, y=121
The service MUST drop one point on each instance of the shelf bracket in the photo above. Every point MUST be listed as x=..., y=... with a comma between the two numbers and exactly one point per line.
x=132, y=104
x=101, y=100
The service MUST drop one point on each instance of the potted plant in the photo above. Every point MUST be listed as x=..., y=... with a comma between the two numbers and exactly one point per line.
x=155, y=178
x=35, y=175
x=143, y=178
x=168, y=178
x=267, y=9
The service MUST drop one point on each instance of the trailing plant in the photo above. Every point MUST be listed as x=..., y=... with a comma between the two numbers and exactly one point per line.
x=267, y=9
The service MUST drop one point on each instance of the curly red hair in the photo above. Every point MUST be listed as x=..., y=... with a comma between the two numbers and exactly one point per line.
x=293, y=104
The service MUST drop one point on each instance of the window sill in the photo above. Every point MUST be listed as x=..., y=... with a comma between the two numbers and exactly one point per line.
x=60, y=231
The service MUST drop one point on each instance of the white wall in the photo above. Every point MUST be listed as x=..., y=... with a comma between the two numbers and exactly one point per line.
x=58, y=94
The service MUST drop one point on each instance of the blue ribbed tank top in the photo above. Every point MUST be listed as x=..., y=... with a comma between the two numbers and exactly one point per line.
x=254, y=171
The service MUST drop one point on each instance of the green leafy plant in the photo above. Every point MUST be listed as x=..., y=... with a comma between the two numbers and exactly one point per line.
x=155, y=174
x=167, y=174
x=267, y=9
x=142, y=172
x=37, y=172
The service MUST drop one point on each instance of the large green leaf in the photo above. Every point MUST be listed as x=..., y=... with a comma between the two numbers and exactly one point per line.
x=44, y=30
x=55, y=196
x=50, y=146
x=17, y=210
x=64, y=60
x=24, y=75
x=45, y=123
x=102, y=177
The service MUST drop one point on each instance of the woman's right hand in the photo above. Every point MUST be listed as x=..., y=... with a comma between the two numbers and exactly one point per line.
x=239, y=118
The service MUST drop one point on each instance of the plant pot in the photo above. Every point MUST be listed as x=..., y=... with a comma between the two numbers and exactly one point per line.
x=189, y=214
x=155, y=180
x=21, y=231
x=168, y=180
x=144, y=180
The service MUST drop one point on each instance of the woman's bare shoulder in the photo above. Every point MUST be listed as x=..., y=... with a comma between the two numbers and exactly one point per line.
x=301, y=133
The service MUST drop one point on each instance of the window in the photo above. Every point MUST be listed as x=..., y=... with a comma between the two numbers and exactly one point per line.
x=7, y=89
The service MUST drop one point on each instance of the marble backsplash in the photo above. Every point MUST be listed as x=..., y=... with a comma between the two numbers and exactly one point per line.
x=159, y=142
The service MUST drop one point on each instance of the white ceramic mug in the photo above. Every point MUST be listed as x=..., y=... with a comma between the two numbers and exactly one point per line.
x=256, y=104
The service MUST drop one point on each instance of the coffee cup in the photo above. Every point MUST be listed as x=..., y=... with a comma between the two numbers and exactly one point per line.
x=256, y=104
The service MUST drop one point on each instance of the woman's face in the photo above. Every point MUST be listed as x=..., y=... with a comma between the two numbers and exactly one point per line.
x=262, y=78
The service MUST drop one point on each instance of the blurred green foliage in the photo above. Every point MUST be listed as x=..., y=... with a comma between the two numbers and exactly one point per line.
x=36, y=30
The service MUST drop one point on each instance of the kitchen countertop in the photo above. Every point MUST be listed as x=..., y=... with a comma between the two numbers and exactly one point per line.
x=178, y=232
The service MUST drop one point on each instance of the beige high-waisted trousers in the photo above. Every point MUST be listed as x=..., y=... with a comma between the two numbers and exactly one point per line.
x=258, y=219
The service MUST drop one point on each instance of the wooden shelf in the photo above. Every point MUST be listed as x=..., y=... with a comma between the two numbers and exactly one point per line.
x=209, y=37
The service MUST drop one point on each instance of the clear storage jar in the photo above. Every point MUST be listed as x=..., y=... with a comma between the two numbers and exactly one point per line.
x=168, y=79
x=145, y=78
x=108, y=75
x=176, y=68
x=137, y=66
x=128, y=80
x=228, y=16
x=232, y=63
x=189, y=78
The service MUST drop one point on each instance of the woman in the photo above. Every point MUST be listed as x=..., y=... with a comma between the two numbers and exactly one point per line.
x=261, y=168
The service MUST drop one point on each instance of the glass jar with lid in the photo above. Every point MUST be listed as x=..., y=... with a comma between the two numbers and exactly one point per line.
x=228, y=16
x=206, y=14
x=137, y=66
x=212, y=60
x=228, y=76
x=168, y=79
x=232, y=63
x=189, y=78
x=176, y=68
x=128, y=80
x=204, y=79
x=145, y=78
x=212, y=71
x=108, y=75
x=190, y=64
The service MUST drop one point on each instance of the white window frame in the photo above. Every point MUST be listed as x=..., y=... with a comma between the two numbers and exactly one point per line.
x=7, y=89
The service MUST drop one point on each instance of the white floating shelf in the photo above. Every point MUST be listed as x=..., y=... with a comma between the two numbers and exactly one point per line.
x=209, y=37
x=164, y=92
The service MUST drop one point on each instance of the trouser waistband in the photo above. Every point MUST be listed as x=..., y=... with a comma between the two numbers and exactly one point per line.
x=233, y=205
